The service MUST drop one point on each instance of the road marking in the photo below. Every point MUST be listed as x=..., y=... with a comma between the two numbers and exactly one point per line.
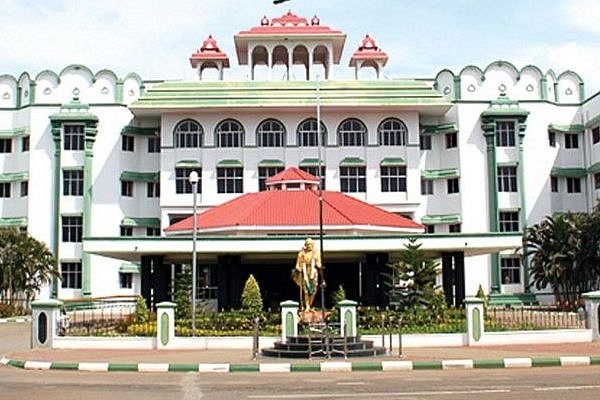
x=380, y=394
x=559, y=388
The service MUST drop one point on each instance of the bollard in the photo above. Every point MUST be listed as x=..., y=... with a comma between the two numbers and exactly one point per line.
x=255, y=339
x=475, y=322
x=165, y=324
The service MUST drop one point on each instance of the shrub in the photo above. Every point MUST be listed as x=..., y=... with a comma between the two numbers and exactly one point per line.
x=251, y=298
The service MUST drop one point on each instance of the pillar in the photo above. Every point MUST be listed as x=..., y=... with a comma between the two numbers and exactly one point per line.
x=165, y=324
x=348, y=318
x=475, y=327
x=289, y=319
x=44, y=322
x=592, y=309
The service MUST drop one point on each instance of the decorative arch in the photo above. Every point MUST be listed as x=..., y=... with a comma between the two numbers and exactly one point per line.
x=392, y=132
x=229, y=133
x=352, y=132
x=270, y=133
x=306, y=133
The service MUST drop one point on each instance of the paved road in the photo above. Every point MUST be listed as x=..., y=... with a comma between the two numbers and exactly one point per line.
x=531, y=384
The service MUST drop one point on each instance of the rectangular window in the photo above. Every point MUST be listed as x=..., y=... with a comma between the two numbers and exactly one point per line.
x=426, y=187
x=571, y=141
x=393, y=178
x=453, y=185
x=314, y=170
x=182, y=180
x=264, y=173
x=509, y=221
x=505, y=134
x=454, y=228
x=230, y=180
x=24, y=188
x=151, y=231
x=127, y=142
x=127, y=188
x=554, y=184
x=125, y=280
x=153, y=189
x=72, y=182
x=597, y=180
x=507, y=179
x=73, y=137
x=429, y=228
x=70, y=273
x=425, y=142
x=596, y=135
x=353, y=179
x=510, y=270
x=126, y=231
x=5, y=190
x=153, y=144
x=551, y=139
x=573, y=185
x=5, y=145
x=72, y=229
x=25, y=144
x=451, y=140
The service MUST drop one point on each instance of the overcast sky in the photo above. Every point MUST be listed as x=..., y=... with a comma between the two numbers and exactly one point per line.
x=155, y=38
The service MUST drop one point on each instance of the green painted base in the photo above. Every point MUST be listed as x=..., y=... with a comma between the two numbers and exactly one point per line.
x=513, y=299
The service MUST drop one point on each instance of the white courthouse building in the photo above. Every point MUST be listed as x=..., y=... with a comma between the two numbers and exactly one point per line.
x=96, y=166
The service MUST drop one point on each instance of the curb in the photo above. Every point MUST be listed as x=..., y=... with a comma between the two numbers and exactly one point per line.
x=15, y=319
x=325, y=366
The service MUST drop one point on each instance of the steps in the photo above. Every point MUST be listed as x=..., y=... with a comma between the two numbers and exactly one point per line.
x=323, y=346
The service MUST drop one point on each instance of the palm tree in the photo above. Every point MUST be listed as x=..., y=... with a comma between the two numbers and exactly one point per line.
x=26, y=266
x=564, y=255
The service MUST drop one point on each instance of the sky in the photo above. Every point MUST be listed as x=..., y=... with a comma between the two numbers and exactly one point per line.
x=155, y=38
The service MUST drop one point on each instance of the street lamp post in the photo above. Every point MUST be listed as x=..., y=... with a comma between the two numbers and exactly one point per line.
x=193, y=179
x=319, y=168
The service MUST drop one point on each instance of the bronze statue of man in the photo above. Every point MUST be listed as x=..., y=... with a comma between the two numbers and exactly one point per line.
x=306, y=273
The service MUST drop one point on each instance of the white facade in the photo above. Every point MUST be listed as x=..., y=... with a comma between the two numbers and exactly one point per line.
x=551, y=106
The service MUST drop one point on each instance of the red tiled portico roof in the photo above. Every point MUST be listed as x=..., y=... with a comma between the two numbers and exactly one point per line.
x=295, y=210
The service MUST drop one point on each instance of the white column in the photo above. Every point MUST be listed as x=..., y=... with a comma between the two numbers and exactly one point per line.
x=165, y=324
x=348, y=318
x=44, y=322
x=475, y=327
x=289, y=319
x=592, y=302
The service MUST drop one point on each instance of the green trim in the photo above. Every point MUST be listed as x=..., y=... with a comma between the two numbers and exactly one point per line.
x=139, y=131
x=440, y=173
x=439, y=129
x=594, y=168
x=14, y=176
x=392, y=161
x=188, y=164
x=310, y=162
x=504, y=107
x=569, y=172
x=256, y=94
x=73, y=112
x=141, y=222
x=436, y=219
x=575, y=128
x=139, y=176
x=14, y=221
x=271, y=163
x=15, y=132
x=129, y=268
x=352, y=162
x=229, y=163
x=592, y=123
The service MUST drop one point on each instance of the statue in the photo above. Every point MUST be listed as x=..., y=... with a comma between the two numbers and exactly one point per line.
x=306, y=273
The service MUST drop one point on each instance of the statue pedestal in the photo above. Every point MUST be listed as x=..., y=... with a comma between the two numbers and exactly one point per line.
x=313, y=316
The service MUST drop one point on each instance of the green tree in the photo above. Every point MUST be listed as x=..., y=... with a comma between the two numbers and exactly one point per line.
x=183, y=293
x=251, y=298
x=338, y=295
x=565, y=255
x=26, y=266
x=412, y=280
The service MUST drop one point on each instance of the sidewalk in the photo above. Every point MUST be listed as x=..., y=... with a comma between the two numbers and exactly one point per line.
x=509, y=356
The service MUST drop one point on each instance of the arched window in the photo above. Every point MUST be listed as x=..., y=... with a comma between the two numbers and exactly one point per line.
x=229, y=133
x=352, y=132
x=307, y=133
x=188, y=133
x=270, y=133
x=392, y=132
